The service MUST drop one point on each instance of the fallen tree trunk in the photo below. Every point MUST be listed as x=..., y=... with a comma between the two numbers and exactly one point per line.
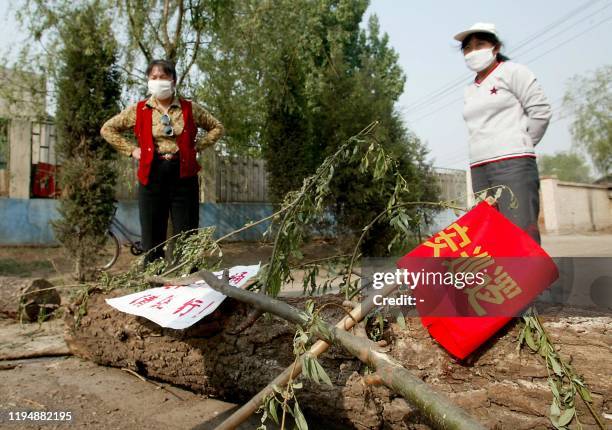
x=501, y=387
x=436, y=409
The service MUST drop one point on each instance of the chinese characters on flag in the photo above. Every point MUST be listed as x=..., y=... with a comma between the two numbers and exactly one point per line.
x=179, y=307
x=513, y=269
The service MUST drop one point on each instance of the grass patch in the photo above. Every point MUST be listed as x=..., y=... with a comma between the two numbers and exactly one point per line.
x=23, y=269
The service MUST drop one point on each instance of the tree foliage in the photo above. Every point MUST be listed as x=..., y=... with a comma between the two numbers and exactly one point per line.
x=88, y=89
x=567, y=166
x=590, y=99
x=294, y=80
x=291, y=80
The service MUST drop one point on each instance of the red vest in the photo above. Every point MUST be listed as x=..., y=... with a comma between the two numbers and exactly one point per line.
x=186, y=141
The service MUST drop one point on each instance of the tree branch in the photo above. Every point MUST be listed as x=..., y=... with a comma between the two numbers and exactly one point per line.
x=136, y=33
x=196, y=48
x=164, y=24
x=179, y=26
x=438, y=410
x=153, y=28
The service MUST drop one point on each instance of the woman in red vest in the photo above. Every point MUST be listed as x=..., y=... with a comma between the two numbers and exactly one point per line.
x=166, y=128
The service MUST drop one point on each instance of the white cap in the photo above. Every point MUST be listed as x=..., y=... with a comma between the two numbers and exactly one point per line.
x=479, y=27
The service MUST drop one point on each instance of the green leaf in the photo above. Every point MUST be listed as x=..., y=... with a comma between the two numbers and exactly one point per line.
x=310, y=306
x=401, y=321
x=480, y=196
x=566, y=417
x=529, y=339
x=521, y=338
x=321, y=372
x=307, y=368
x=543, y=349
x=554, y=409
x=272, y=409
x=555, y=365
x=323, y=328
x=300, y=421
x=553, y=388
x=586, y=395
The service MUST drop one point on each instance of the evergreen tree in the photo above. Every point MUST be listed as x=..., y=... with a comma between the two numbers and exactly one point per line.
x=88, y=88
x=303, y=77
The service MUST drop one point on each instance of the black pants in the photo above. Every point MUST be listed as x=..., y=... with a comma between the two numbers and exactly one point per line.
x=166, y=194
x=521, y=176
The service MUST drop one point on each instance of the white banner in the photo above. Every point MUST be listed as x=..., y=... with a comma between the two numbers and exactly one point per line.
x=178, y=307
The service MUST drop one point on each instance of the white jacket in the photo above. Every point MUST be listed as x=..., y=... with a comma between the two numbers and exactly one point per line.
x=506, y=114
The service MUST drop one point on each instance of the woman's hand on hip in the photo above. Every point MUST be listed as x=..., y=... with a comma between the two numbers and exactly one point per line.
x=136, y=153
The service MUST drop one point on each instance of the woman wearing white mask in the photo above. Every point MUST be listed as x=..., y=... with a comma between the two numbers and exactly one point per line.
x=166, y=128
x=506, y=113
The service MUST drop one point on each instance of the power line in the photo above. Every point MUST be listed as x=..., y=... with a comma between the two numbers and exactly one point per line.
x=449, y=88
x=539, y=56
x=554, y=35
x=569, y=39
x=451, y=85
x=437, y=110
x=552, y=25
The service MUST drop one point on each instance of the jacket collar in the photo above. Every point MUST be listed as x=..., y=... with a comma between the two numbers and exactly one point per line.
x=152, y=102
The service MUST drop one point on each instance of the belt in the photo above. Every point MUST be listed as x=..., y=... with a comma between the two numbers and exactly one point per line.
x=167, y=156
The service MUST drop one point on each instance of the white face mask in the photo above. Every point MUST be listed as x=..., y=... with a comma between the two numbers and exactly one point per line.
x=480, y=60
x=161, y=88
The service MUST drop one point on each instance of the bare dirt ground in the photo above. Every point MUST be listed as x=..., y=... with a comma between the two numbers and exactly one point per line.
x=98, y=397
x=102, y=398
x=106, y=398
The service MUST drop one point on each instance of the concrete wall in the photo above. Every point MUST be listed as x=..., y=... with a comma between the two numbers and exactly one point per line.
x=20, y=159
x=26, y=221
x=573, y=207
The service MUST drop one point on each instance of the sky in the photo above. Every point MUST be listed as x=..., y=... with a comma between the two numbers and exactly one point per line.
x=556, y=39
x=560, y=38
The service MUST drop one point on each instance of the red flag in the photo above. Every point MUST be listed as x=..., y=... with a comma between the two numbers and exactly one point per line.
x=512, y=270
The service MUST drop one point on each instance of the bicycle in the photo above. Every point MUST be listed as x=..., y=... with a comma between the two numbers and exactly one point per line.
x=116, y=236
